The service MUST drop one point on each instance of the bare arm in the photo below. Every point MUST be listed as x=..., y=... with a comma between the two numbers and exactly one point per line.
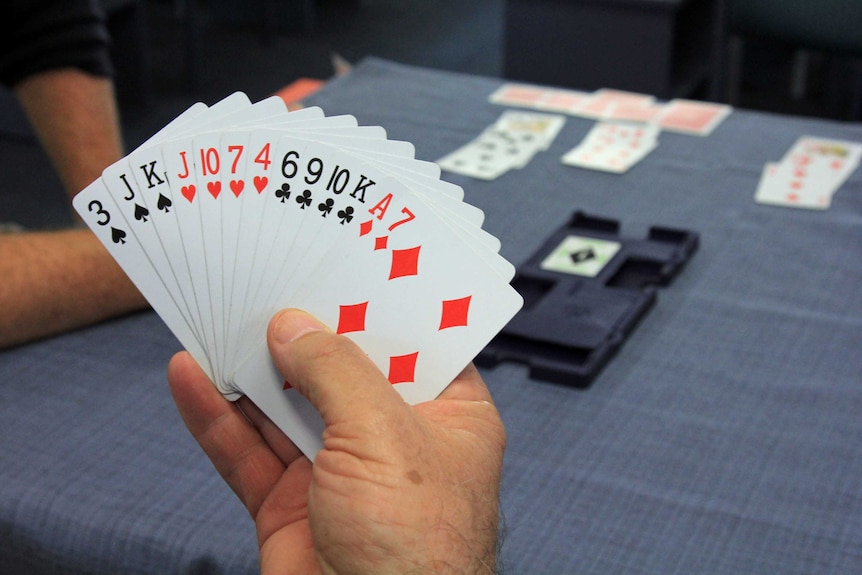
x=75, y=116
x=56, y=281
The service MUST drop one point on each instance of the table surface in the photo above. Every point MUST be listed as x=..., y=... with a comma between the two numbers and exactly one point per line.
x=723, y=438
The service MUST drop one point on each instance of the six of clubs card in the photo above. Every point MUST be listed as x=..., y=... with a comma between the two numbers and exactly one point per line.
x=234, y=211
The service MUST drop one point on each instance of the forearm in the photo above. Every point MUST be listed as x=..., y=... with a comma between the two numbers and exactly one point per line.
x=75, y=116
x=56, y=281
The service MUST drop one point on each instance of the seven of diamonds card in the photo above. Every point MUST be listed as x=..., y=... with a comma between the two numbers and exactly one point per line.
x=236, y=210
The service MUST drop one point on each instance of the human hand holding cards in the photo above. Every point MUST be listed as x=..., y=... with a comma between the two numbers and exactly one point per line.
x=235, y=211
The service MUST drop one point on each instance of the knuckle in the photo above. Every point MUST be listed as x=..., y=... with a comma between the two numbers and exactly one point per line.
x=328, y=346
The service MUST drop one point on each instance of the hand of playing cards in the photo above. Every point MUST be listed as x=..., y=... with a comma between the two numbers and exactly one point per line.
x=234, y=211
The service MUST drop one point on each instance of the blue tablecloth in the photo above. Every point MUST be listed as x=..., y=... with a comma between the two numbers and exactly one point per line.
x=724, y=438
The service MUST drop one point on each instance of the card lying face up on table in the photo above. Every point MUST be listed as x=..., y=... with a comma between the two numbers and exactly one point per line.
x=234, y=211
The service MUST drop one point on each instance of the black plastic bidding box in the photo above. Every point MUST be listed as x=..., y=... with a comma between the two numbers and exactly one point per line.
x=584, y=292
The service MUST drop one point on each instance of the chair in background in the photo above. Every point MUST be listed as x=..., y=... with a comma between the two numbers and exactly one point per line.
x=830, y=27
x=195, y=17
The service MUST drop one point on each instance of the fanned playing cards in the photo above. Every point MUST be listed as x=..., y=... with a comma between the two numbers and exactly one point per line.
x=234, y=211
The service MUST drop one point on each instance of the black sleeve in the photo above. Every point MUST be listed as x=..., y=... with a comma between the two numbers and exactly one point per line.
x=41, y=35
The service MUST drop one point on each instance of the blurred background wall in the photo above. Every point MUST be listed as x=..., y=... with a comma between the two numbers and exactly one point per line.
x=784, y=56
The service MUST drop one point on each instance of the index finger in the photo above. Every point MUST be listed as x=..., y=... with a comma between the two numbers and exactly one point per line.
x=237, y=450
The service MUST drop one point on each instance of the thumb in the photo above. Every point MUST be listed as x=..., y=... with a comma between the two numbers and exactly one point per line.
x=336, y=376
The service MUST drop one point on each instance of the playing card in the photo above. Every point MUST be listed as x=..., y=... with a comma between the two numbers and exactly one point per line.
x=98, y=209
x=509, y=143
x=840, y=157
x=518, y=95
x=407, y=278
x=613, y=147
x=633, y=111
x=779, y=186
x=149, y=216
x=491, y=154
x=692, y=117
x=572, y=102
x=603, y=101
x=809, y=174
x=530, y=128
x=564, y=101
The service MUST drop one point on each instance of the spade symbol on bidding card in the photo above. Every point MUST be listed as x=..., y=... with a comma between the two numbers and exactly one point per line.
x=118, y=236
x=141, y=213
x=304, y=200
x=580, y=256
x=283, y=192
x=583, y=255
x=164, y=203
